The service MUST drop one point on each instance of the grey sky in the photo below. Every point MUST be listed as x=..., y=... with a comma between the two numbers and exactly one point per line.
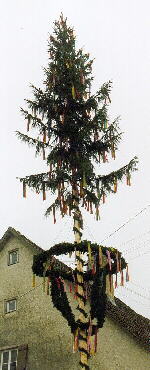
x=116, y=33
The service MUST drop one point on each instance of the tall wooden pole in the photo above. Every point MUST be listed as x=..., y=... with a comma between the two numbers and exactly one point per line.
x=80, y=288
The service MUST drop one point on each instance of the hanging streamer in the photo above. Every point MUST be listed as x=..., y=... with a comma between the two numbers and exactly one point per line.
x=115, y=185
x=89, y=254
x=108, y=259
x=127, y=274
x=34, y=111
x=81, y=189
x=104, y=157
x=104, y=197
x=24, y=189
x=109, y=286
x=97, y=213
x=76, y=341
x=82, y=78
x=89, y=336
x=54, y=214
x=43, y=154
x=73, y=92
x=62, y=118
x=91, y=209
x=44, y=136
x=100, y=256
x=120, y=264
x=116, y=282
x=84, y=180
x=105, y=124
x=50, y=172
x=117, y=259
x=122, y=279
x=44, y=192
x=113, y=154
x=128, y=179
x=69, y=210
x=28, y=123
x=75, y=291
x=70, y=288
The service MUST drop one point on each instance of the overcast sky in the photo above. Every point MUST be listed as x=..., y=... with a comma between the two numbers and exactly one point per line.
x=116, y=33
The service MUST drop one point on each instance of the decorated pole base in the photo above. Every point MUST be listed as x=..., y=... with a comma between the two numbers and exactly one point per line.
x=97, y=285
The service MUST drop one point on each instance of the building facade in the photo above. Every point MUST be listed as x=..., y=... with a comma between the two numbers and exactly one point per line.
x=35, y=336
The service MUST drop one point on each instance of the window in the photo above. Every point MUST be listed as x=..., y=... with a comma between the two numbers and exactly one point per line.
x=13, y=257
x=10, y=305
x=8, y=359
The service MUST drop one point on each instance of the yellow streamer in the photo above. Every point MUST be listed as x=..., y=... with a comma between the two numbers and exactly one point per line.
x=73, y=92
x=100, y=256
x=89, y=253
x=84, y=180
x=110, y=287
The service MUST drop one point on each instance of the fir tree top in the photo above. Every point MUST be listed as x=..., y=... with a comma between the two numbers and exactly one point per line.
x=74, y=132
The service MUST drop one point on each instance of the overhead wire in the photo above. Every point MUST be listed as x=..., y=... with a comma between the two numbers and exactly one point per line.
x=125, y=223
x=139, y=286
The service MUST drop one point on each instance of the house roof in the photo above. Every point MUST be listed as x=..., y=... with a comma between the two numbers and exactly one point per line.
x=128, y=319
x=137, y=325
x=12, y=232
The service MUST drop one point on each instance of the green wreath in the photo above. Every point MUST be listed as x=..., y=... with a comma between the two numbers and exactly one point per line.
x=45, y=265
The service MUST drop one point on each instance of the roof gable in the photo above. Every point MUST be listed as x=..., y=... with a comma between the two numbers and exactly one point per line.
x=11, y=232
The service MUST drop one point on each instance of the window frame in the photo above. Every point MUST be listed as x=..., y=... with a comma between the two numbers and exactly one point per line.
x=6, y=303
x=9, y=350
x=9, y=253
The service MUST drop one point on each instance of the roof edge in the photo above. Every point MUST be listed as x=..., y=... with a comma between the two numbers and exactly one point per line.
x=132, y=322
x=12, y=232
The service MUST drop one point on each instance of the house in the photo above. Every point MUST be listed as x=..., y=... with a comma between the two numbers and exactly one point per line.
x=35, y=336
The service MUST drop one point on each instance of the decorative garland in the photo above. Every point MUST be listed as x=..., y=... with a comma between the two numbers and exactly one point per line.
x=117, y=265
x=46, y=265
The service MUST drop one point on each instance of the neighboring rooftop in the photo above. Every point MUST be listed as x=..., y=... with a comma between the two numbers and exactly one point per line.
x=137, y=325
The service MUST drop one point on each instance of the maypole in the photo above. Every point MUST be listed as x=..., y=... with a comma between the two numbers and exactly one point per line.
x=81, y=331
x=74, y=136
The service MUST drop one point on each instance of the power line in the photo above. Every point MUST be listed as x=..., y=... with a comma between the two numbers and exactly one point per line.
x=130, y=297
x=136, y=247
x=126, y=250
x=134, y=239
x=139, y=286
x=125, y=223
x=140, y=255
x=140, y=295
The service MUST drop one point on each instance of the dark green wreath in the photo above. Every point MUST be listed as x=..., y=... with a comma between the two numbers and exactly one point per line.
x=44, y=264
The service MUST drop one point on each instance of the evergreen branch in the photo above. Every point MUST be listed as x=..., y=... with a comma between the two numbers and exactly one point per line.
x=55, y=204
x=34, y=120
x=38, y=92
x=100, y=146
x=104, y=91
x=32, y=142
x=118, y=175
x=37, y=122
x=46, y=180
x=36, y=180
